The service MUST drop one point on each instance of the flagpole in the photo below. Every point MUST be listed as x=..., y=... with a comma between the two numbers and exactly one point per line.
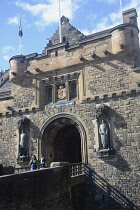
x=20, y=45
x=121, y=12
x=60, y=31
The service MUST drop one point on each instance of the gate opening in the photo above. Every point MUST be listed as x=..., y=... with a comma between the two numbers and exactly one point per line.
x=61, y=142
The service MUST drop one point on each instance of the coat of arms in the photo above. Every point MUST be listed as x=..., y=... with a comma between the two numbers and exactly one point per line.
x=61, y=92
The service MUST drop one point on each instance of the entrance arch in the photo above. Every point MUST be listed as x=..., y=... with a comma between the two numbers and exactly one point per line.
x=63, y=139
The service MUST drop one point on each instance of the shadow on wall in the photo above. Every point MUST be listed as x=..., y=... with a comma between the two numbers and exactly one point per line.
x=119, y=130
x=34, y=133
x=110, y=63
x=118, y=140
x=106, y=196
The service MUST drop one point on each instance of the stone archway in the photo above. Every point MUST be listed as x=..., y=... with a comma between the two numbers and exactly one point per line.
x=63, y=139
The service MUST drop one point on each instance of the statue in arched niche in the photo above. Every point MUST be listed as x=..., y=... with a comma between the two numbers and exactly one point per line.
x=23, y=144
x=23, y=125
x=103, y=115
x=104, y=134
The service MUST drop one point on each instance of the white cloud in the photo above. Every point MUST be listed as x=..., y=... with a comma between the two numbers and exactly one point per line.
x=7, y=48
x=115, y=18
x=46, y=12
x=110, y=21
x=85, y=31
x=35, y=10
x=131, y=4
x=5, y=57
x=49, y=13
x=108, y=1
x=8, y=51
x=14, y=20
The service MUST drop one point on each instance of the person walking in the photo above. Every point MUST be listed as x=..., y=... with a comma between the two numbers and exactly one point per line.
x=42, y=162
x=33, y=163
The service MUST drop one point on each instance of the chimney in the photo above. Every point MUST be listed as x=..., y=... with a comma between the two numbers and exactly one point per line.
x=130, y=16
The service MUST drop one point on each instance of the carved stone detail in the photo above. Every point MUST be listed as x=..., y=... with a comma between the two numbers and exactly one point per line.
x=23, y=123
x=103, y=110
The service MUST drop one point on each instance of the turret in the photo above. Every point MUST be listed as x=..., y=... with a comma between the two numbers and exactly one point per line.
x=125, y=36
x=18, y=66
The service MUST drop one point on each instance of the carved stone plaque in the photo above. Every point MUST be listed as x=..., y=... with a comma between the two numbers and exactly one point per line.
x=61, y=92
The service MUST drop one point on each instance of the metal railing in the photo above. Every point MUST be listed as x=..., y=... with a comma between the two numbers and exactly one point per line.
x=77, y=169
x=23, y=169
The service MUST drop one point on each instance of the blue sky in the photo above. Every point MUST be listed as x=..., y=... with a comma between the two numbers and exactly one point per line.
x=40, y=21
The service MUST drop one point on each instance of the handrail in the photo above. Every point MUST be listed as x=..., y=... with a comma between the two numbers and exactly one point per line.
x=75, y=168
x=24, y=169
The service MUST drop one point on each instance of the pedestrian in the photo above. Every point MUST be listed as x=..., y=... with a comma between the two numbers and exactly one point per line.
x=33, y=163
x=42, y=162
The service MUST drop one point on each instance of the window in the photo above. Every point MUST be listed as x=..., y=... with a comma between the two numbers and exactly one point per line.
x=64, y=38
x=72, y=89
x=61, y=88
x=49, y=94
x=56, y=53
x=132, y=35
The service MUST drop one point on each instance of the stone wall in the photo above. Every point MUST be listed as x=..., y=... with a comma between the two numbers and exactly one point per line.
x=110, y=77
x=41, y=189
x=118, y=176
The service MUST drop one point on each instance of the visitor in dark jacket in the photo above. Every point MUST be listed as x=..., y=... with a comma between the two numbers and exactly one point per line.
x=42, y=162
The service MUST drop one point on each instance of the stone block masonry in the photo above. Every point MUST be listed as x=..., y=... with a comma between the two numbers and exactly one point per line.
x=41, y=189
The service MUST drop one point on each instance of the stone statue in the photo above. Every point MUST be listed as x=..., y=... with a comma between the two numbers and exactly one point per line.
x=104, y=134
x=23, y=144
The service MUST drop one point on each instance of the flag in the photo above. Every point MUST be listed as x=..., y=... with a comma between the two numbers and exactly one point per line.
x=48, y=38
x=20, y=33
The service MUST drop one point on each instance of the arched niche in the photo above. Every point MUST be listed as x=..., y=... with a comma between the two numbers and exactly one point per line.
x=23, y=140
x=103, y=130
